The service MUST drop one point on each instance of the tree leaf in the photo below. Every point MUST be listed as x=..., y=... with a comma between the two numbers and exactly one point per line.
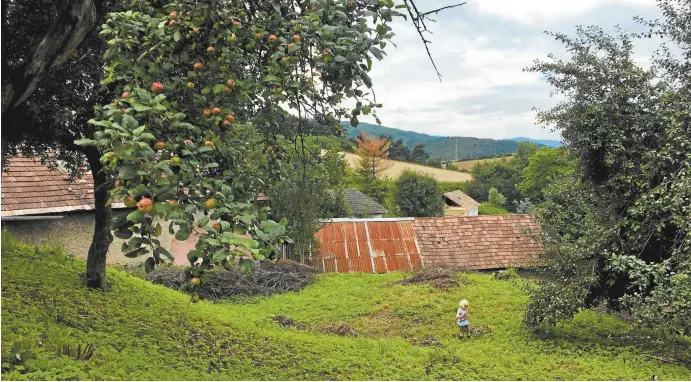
x=149, y=264
x=219, y=88
x=246, y=267
x=135, y=216
x=203, y=221
x=164, y=252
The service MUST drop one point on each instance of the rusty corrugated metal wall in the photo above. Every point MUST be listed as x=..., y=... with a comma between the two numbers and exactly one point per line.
x=370, y=246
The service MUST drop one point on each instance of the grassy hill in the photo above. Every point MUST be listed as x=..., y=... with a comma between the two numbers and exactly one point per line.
x=398, y=167
x=441, y=147
x=140, y=331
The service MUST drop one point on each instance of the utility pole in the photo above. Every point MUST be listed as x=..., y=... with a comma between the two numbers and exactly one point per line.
x=456, y=148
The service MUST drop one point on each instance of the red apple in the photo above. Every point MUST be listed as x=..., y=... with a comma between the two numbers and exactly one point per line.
x=157, y=87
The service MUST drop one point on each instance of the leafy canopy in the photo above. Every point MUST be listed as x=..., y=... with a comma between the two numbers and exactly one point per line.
x=418, y=195
x=193, y=71
x=617, y=232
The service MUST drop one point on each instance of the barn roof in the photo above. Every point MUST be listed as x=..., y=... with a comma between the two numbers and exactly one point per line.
x=367, y=245
x=461, y=199
x=477, y=242
x=31, y=188
x=470, y=242
x=361, y=204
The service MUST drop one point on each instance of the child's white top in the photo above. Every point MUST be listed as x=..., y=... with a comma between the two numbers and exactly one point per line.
x=464, y=321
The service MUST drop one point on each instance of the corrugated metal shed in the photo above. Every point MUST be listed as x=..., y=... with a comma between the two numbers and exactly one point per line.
x=367, y=245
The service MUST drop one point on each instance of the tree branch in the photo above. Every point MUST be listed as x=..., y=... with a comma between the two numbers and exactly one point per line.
x=418, y=20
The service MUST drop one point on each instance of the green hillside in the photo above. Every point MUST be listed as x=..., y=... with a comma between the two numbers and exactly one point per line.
x=441, y=147
x=344, y=327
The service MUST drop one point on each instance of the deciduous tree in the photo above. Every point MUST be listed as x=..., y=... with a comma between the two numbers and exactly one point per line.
x=618, y=231
x=418, y=195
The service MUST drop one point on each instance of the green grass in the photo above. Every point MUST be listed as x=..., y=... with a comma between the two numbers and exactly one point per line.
x=142, y=331
x=490, y=209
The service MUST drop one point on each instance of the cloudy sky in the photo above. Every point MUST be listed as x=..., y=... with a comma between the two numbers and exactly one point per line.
x=480, y=50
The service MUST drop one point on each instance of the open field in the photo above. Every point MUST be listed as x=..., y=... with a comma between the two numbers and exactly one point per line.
x=440, y=174
x=467, y=165
x=345, y=326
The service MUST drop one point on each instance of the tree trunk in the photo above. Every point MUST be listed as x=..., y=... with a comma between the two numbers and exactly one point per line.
x=64, y=36
x=96, y=260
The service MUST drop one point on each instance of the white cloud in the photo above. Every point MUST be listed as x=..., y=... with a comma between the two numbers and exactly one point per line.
x=547, y=11
x=484, y=91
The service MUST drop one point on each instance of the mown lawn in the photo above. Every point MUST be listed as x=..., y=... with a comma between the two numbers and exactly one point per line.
x=143, y=331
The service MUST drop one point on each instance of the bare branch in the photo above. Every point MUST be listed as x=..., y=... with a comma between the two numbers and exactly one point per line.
x=418, y=20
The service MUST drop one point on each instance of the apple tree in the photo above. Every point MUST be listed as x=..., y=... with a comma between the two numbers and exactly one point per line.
x=189, y=74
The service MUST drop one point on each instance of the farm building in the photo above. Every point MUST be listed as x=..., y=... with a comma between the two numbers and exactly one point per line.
x=385, y=245
x=40, y=206
x=477, y=242
x=459, y=204
x=361, y=205
x=367, y=245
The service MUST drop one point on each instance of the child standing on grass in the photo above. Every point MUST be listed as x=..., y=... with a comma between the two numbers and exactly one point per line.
x=462, y=317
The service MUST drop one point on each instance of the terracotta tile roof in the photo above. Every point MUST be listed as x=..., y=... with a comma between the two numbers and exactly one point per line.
x=361, y=204
x=461, y=199
x=477, y=242
x=31, y=188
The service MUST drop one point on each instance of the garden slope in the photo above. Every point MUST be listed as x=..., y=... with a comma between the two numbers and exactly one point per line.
x=142, y=331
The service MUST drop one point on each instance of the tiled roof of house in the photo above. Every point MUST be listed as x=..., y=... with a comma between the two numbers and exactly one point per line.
x=361, y=204
x=31, y=188
x=477, y=242
x=460, y=199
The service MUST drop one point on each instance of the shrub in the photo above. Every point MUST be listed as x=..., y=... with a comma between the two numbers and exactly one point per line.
x=495, y=198
x=418, y=194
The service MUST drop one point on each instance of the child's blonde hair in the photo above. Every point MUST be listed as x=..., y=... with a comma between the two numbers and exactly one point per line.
x=463, y=304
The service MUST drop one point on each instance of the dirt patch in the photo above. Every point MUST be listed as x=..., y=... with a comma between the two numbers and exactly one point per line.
x=441, y=278
x=287, y=322
x=426, y=341
x=341, y=329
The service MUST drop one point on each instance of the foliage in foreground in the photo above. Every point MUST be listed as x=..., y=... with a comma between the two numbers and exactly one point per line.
x=189, y=73
x=142, y=331
x=618, y=231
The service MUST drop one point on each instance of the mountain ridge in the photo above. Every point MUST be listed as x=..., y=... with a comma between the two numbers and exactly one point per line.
x=439, y=146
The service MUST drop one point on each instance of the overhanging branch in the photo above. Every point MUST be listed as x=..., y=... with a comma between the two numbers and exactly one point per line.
x=418, y=19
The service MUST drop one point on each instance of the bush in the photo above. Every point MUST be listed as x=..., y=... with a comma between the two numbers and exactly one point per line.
x=418, y=195
x=495, y=198
x=490, y=209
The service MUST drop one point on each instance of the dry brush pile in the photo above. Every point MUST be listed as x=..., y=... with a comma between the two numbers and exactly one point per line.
x=269, y=278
